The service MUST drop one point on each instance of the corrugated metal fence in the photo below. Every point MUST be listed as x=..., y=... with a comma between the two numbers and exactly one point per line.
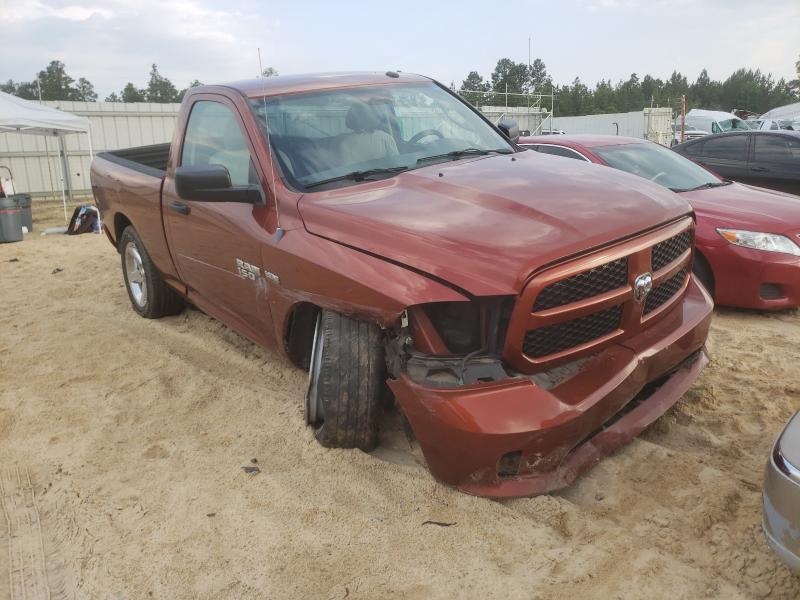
x=35, y=160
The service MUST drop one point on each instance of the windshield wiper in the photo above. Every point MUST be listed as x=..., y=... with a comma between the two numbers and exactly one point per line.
x=358, y=175
x=464, y=152
x=704, y=186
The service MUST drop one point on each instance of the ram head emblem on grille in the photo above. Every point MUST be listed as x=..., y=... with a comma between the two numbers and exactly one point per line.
x=642, y=286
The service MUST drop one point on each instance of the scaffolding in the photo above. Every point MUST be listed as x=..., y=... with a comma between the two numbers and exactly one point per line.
x=533, y=112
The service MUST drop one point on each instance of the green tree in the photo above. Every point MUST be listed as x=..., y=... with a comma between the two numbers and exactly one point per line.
x=130, y=93
x=794, y=85
x=84, y=90
x=268, y=72
x=160, y=89
x=193, y=83
x=113, y=97
x=512, y=77
x=473, y=89
x=56, y=84
x=538, y=79
x=605, y=98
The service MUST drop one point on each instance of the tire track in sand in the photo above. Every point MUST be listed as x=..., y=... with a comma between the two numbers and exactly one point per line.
x=27, y=567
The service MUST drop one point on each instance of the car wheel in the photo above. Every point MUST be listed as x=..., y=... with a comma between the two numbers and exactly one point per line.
x=150, y=296
x=345, y=379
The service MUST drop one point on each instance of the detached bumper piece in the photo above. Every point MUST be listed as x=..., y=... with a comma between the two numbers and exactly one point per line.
x=513, y=438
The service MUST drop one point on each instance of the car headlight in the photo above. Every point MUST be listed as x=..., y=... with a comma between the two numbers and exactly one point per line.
x=770, y=242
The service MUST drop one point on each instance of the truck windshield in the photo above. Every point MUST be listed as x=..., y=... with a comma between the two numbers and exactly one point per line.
x=345, y=136
x=658, y=164
x=732, y=125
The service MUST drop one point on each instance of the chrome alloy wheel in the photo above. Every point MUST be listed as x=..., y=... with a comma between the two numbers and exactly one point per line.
x=134, y=275
x=311, y=405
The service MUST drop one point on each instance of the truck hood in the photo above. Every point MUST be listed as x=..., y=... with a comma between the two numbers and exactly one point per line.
x=485, y=224
x=745, y=207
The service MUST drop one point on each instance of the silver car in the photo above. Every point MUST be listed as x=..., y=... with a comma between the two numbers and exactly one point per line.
x=782, y=496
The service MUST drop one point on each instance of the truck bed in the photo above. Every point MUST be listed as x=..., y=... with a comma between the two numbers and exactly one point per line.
x=151, y=160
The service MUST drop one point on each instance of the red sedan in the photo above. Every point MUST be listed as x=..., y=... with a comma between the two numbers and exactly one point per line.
x=748, y=238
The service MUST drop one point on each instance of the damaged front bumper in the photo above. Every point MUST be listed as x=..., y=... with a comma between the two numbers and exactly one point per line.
x=514, y=438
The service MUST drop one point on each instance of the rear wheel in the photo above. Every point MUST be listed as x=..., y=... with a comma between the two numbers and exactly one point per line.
x=150, y=296
x=345, y=379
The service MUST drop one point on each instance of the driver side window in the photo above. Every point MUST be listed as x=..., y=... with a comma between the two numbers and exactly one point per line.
x=213, y=137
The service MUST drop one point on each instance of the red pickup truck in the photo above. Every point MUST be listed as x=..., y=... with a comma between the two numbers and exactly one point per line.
x=528, y=314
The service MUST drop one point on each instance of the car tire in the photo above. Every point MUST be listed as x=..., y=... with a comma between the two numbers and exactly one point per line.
x=346, y=376
x=150, y=296
x=702, y=270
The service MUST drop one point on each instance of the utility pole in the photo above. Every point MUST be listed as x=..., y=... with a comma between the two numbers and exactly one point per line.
x=683, y=119
x=529, y=52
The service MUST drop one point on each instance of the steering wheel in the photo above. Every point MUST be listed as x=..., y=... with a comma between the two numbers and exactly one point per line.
x=425, y=133
x=657, y=175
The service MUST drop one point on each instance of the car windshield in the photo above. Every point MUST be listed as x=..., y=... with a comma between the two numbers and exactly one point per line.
x=733, y=125
x=348, y=135
x=658, y=164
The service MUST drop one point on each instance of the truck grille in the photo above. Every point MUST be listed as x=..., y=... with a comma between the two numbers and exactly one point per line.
x=593, y=282
x=572, y=309
x=665, y=291
x=668, y=250
x=557, y=338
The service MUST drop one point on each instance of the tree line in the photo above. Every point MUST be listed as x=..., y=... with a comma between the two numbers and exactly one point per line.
x=745, y=89
x=54, y=83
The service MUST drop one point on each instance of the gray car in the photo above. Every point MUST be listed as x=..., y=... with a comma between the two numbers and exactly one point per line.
x=782, y=496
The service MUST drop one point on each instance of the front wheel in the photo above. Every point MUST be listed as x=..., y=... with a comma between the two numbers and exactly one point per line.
x=150, y=296
x=345, y=378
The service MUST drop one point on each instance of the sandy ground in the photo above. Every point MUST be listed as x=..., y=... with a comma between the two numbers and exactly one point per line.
x=122, y=443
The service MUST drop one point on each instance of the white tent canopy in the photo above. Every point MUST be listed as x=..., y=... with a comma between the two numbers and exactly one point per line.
x=790, y=111
x=26, y=117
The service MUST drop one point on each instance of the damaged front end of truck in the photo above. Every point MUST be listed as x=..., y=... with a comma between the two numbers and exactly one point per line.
x=518, y=395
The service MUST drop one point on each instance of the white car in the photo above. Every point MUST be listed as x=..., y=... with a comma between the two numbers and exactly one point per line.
x=775, y=124
x=689, y=133
x=712, y=121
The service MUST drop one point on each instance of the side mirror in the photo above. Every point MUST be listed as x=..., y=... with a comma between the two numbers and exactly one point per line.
x=510, y=129
x=212, y=183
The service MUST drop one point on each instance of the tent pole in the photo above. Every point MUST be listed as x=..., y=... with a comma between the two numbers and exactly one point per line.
x=65, y=165
x=49, y=166
x=91, y=151
x=91, y=158
x=63, y=195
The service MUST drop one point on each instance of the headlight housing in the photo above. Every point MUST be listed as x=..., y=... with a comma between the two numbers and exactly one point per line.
x=769, y=242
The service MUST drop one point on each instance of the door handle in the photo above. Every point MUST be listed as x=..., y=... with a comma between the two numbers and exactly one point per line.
x=760, y=169
x=179, y=207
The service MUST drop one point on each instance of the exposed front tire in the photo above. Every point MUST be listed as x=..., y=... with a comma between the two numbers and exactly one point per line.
x=345, y=379
x=150, y=296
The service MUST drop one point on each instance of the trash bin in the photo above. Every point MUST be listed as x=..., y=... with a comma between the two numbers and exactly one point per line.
x=24, y=203
x=10, y=221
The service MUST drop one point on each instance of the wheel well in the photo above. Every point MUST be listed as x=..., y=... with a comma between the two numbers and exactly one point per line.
x=300, y=333
x=703, y=270
x=120, y=223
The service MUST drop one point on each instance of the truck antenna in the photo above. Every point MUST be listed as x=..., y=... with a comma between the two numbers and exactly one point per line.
x=278, y=229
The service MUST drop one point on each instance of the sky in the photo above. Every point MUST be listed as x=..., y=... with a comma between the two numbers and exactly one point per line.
x=111, y=42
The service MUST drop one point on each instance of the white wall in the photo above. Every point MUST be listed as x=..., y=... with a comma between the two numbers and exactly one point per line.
x=114, y=125
x=631, y=124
